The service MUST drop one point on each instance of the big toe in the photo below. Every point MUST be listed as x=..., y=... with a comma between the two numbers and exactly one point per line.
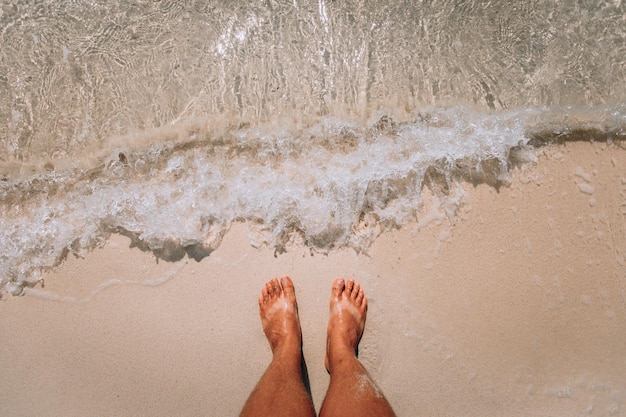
x=338, y=286
x=287, y=285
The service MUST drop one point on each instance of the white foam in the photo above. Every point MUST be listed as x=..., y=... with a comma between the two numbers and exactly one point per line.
x=579, y=172
x=332, y=184
x=586, y=188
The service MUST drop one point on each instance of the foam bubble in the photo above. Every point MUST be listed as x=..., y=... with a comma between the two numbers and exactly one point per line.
x=586, y=188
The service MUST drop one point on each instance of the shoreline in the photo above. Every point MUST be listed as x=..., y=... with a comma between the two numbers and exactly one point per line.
x=517, y=307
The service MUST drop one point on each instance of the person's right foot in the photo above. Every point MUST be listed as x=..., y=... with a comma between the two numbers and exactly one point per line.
x=348, y=308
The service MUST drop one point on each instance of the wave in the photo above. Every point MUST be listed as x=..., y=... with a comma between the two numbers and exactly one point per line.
x=332, y=184
x=308, y=120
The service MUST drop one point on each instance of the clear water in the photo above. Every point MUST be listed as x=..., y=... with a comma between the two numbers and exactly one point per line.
x=324, y=120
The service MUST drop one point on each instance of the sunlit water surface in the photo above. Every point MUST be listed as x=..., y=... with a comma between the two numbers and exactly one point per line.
x=317, y=120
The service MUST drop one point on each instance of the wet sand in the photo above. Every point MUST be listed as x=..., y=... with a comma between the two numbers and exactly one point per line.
x=517, y=308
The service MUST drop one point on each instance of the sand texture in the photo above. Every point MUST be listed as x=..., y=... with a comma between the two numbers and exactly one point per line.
x=517, y=307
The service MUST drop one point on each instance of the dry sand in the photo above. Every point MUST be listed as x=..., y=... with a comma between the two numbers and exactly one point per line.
x=517, y=308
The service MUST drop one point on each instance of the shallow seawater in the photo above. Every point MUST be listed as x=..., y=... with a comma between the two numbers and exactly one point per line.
x=169, y=121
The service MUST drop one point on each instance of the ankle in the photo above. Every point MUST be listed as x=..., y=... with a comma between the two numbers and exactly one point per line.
x=341, y=358
x=289, y=351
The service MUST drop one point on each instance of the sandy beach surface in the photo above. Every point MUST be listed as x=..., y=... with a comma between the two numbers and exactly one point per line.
x=517, y=307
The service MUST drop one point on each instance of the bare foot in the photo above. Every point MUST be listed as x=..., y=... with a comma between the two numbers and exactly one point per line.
x=279, y=316
x=348, y=308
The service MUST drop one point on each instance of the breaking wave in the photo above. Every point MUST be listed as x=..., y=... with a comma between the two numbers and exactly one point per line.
x=320, y=122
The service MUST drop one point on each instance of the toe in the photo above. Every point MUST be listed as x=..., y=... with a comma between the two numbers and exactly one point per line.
x=287, y=285
x=276, y=286
x=355, y=291
x=349, y=287
x=270, y=289
x=360, y=297
x=338, y=286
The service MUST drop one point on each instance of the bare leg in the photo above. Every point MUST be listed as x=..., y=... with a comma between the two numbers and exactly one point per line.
x=351, y=392
x=281, y=391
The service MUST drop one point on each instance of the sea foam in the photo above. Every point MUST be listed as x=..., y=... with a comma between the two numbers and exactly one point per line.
x=315, y=121
x=332, y=184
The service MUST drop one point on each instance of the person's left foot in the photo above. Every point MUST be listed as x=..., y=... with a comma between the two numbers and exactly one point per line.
x=279, y=316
